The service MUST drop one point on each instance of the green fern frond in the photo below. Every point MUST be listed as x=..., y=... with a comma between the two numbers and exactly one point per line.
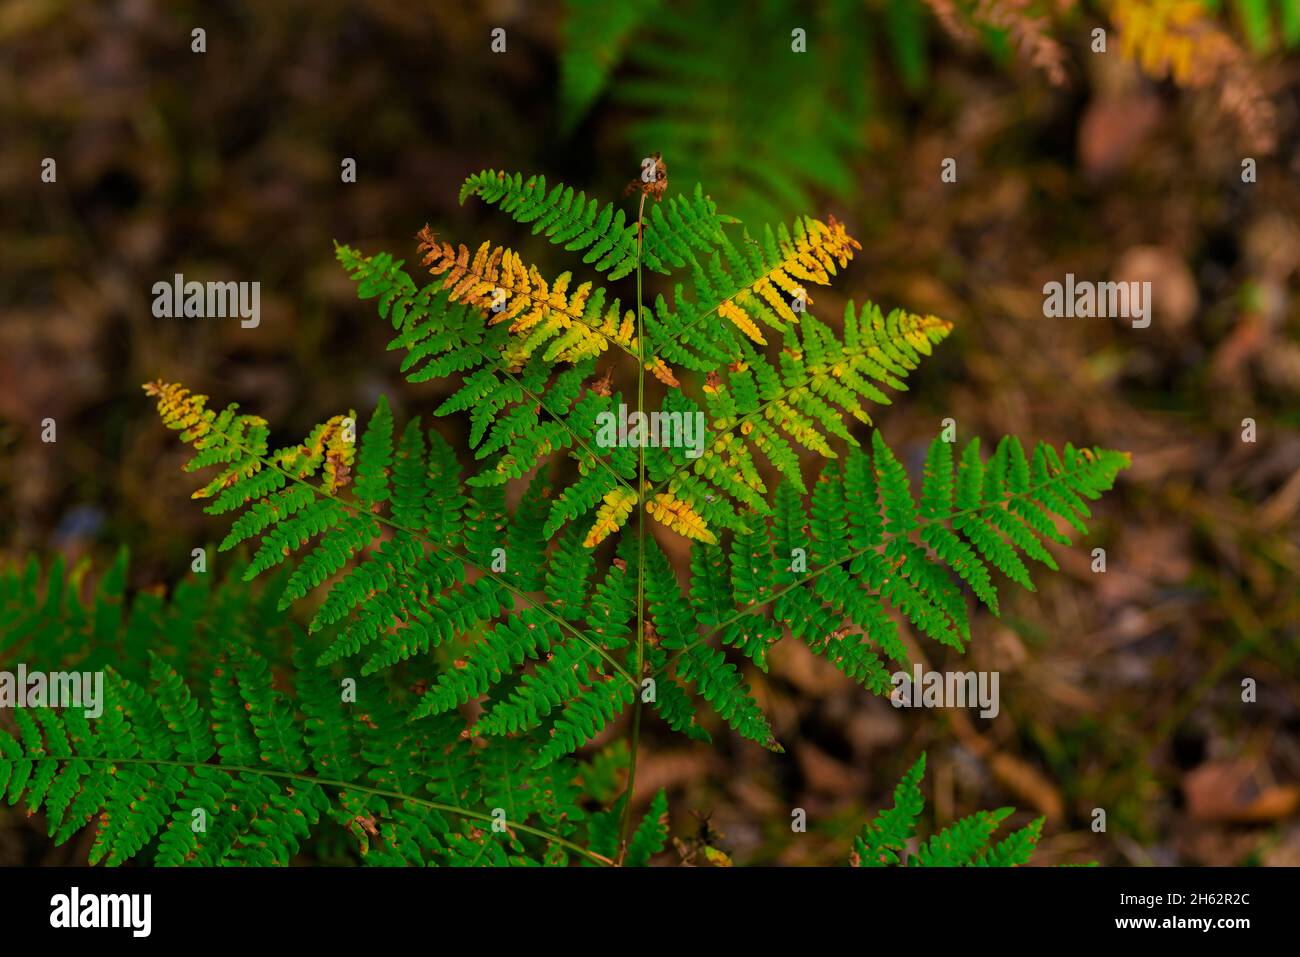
x=677, y=230
x=871, y=545
x=397, y=591
x=646, y=841
x=827, y=576
x=651, y=834
x=148, y=774
x=884, y=841
x=572, y=679
x=720, y=108
x=715, y=678
x=51, y=612
x=595, y=35
x=227, y=769
x=406, y=587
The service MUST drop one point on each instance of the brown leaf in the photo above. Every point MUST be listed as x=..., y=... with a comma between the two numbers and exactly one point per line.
x=1237, y=790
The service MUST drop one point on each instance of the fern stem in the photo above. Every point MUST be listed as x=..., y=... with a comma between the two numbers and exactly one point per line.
x=347, y=786
x=885, y=540
x=440, y=547
x=640, y=547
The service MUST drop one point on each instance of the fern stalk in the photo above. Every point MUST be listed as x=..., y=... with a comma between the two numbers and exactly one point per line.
x=640, y=548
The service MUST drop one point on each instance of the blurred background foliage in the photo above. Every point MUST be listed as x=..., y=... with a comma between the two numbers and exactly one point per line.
x=1120, y=691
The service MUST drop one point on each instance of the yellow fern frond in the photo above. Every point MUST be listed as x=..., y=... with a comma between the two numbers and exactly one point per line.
x=740, y=319
x=236, y=445
x=728, y=461
x=331, y=443
x=661, y=371
x=680, y=517
x=1183, y=40
x=238, y=442
x=922, y=331
x=812, y=257
x=180, y=409
x=783, y=414
x=1174, y=37
x=611, y=515
x=822, y=246
x=540, y=314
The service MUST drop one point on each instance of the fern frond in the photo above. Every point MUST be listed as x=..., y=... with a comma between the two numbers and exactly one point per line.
x=571, y=679
x=545, y=318
x=773, y=409
x=867, y=544
x=408, y=592
x=503, y=612
x=43, y=613
x=776, y=127
x=147, y=773
x=776, y=410
x=224, y=768
x=680, y=517
x=1269, y=24
x=884, y=840
x=716, y=679
x=517, y=419
x=1174, y=37
x=1183, y=40
x=616, y=506
x=651, y=834
x=594, y=35
x=441, y=337
x=801, y=403
x=677, y=228
x=748, y=287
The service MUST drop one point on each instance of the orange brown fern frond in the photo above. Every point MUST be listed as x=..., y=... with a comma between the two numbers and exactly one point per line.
x=568, y=325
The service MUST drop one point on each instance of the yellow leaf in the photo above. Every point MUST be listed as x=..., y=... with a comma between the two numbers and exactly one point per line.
x=740, y=319
x=680, y=517
x=611, y=515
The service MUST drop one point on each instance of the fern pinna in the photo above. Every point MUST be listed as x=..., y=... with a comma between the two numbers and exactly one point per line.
x=529, y=630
